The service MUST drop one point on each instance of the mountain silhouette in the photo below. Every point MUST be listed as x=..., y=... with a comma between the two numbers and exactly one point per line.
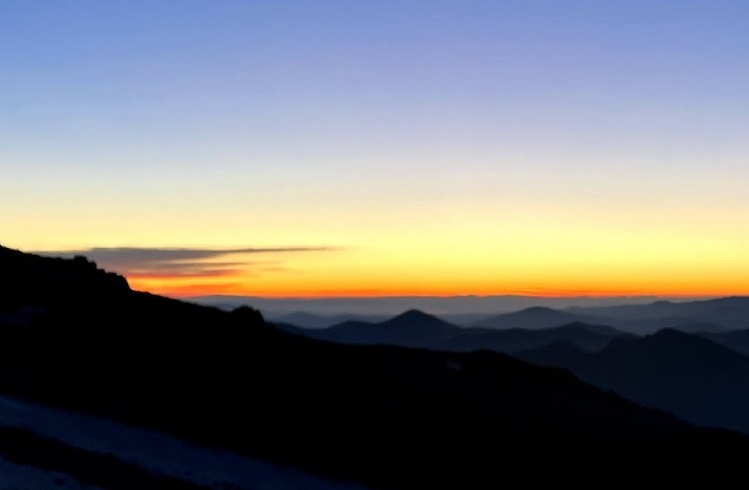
x=311, y=320
x=737, y=340
x=690, y=376
x=31, y=280
x=386, y=416
x=534, y=318
x=415, y=328
x=412, y=328
x=584, y=336
x=717, y=315
x=713, y=315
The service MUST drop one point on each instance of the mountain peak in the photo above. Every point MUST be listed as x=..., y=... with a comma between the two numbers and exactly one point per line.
x=413, y=314
x=671, y=345
x=536, y=310
x=31, y=279
x=413, y=318
x=662, y=302
x=667, y=333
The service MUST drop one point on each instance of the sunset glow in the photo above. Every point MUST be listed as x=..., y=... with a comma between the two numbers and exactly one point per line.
x=382, y=149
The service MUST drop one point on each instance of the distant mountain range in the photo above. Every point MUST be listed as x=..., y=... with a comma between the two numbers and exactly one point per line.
x=311, y=320
x=714, y=315
x=78, y=338
x=709, y=316
x=418, y=329
x=686, y=374
x=737, y=340
x=701, y=377
x=533, y=318
x=472, y=308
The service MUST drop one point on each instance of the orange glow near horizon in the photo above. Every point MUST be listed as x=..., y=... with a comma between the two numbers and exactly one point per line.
x=498, y=149
x=453, y=253
x=180, y=287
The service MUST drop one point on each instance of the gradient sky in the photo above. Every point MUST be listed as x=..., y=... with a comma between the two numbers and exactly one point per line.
x=309, y=148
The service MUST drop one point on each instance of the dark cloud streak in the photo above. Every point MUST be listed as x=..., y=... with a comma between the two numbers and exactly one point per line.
x=173, y=254
x=176, y=272
x=178, y=262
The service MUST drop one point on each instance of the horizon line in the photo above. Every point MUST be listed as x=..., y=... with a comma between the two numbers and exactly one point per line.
x=455, y=296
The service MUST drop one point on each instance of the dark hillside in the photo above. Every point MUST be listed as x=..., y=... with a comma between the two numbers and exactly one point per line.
x=388, y=416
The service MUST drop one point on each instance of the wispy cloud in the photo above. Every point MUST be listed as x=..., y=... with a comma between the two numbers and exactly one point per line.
x=144, y=262
x=176, y=272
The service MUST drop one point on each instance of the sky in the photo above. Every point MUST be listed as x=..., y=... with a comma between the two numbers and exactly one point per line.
x=337, y=148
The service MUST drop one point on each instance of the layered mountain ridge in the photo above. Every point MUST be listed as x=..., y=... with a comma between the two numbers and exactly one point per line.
x=384, y=416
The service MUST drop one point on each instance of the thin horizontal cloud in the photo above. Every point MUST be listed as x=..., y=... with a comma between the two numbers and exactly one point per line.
x=175, y=273
x=198, y=266
x=176, y=270
x=182, y=262
x=147, y=255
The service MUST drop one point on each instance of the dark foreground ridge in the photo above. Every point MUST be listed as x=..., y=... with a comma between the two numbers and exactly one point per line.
x=76, y=337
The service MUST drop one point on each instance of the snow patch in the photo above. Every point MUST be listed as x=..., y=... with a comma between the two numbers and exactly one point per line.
x=160, y=453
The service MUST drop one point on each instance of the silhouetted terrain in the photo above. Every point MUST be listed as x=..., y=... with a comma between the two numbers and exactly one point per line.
x=692, y=377
x=737, y=340
x=22, y=446
x=581, y=335
x=418, y=329
x=310, y=320
x=536, y=317
x=410, y=329
x=455, y=309
x=45, y=448
x=388, y=416
x=714, y=315
x=692, y=316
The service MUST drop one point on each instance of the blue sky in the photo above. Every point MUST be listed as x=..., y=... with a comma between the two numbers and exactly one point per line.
x=384, y=128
